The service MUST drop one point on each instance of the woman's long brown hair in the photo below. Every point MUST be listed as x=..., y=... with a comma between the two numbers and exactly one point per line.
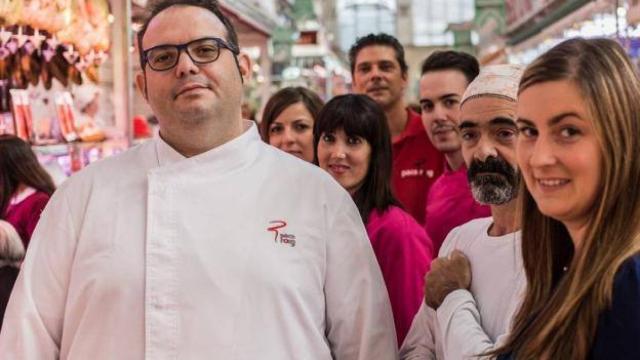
x=19, y=165
x=559, y=313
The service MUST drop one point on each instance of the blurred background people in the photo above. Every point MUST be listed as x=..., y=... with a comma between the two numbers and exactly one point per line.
x=25, y=187
x=445, y=77
x=248, y=112
x=578, y=146
x=354, y=146
x=141, y=128
x=87, y=122
x=288, y=119
x=86, y=99
x=379, y=70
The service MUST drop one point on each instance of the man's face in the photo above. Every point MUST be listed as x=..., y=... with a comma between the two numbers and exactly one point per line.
x=190, y=93
x=488, y=132
x=440, y=95
x=377, y=74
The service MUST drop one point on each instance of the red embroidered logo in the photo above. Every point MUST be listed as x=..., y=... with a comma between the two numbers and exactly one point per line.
x=287, y=239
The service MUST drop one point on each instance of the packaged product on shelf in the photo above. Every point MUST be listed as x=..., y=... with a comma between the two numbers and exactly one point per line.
x=46, y=130
x=22, y=117
x=64, y=103
x=6, y=124
x=76, y=157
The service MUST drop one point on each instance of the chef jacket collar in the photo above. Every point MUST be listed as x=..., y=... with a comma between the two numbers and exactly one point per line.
x=168, y=155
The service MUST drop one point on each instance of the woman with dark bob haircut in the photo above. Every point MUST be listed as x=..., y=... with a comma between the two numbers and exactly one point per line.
x=287, y=121
x=353, y=144
x=25, y=186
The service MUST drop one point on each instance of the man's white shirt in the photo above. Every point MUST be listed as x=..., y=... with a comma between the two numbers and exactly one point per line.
x=472, y=322
x=242, y=252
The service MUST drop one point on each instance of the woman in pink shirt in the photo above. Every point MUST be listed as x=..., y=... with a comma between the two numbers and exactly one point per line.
x=25, y=187
x=353, y=144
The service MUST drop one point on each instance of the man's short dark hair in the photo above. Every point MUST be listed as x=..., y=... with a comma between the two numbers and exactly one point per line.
x=380, y=40
x=158, y=6
x=452, y=60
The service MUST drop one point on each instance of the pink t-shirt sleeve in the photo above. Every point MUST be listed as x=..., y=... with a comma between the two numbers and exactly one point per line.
x=404, y=252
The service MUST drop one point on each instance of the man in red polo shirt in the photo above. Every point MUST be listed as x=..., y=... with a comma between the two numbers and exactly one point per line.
x=379, y=70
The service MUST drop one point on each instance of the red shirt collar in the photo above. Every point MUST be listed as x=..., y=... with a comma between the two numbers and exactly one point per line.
x=449, y=171
x=413, y=128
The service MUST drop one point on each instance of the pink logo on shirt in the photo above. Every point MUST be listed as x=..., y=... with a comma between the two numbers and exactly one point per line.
x=415, y=173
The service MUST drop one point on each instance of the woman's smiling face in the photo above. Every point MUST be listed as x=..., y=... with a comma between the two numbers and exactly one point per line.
x=558, y=151
x=346, y=158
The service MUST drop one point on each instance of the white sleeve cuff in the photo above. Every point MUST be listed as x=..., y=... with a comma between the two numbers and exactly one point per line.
x=452, y=302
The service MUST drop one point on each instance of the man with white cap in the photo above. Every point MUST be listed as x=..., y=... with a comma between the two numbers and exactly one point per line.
x=465, y=316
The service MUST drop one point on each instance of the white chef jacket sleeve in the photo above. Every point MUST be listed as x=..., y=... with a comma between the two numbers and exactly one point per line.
x=460, y=325
x=419, y=344
x=359, y=322
x=32, y=326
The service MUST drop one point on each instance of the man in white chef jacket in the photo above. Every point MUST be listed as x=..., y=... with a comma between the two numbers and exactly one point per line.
x=203, y=244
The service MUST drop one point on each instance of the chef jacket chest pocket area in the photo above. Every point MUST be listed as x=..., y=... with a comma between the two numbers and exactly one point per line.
x=96, y=237
x=111, y=233
x=102, y=269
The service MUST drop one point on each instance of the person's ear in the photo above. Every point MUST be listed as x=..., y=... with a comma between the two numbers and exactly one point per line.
x=244, y=65
x=141, y=83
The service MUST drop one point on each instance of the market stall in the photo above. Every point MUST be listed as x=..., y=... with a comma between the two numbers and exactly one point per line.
x=51, y=52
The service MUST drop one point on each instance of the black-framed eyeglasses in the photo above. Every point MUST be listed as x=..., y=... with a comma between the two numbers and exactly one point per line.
x=200, y=51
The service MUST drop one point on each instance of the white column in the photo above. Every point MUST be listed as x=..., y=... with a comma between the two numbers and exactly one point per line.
x=122, y=74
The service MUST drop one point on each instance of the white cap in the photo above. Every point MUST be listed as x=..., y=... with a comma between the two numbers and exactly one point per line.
x=499, y=80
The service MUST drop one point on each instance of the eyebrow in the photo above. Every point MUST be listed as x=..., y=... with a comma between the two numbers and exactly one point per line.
x=501, y=120
x=558, y=118
x=525, y=121
x=467, y=124
x=554, y=120
x=446, y=96
x=443, y=97
x=378, y=62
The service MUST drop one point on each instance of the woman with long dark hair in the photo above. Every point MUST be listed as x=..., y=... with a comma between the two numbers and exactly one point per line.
x=353, y=144
x=578, y=151
x=288, y=119
x=25, y=186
